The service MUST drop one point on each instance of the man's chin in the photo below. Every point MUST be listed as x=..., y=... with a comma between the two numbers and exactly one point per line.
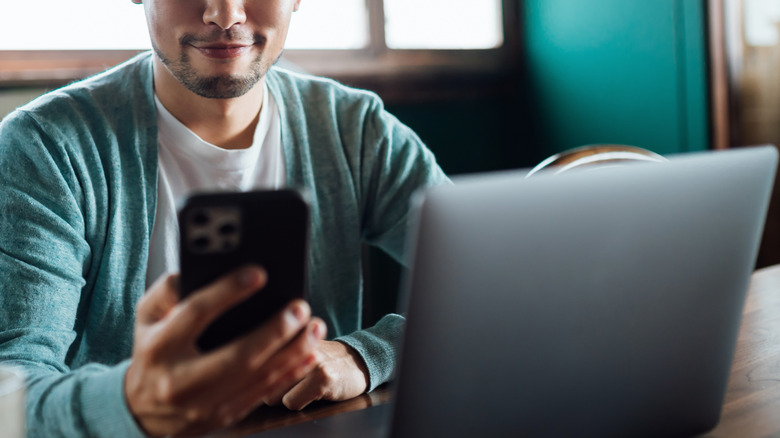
x=222, y=87
x=207, y=81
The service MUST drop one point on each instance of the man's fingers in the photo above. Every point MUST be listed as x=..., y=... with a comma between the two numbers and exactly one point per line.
x=240, y=406
x=235, y=365
x=195, y=313
x=314, y=333
x=308, y=390
x=243, y=392
x=281, y=372
x=340, y=374
x=159, y=300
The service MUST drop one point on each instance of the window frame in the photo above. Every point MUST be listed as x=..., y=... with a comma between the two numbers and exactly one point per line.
x=376, y=65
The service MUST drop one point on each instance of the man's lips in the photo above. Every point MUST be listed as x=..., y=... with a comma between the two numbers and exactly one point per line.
x=223, y=51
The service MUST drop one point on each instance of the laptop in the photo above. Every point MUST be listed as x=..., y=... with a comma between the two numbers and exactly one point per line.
x=600, y=302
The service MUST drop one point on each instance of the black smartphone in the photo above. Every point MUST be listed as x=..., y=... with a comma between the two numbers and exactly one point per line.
x=220, y=232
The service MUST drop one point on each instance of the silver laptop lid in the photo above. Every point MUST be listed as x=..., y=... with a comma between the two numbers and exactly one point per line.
x=603, y=302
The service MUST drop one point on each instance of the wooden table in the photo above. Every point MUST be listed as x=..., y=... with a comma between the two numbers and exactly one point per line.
x=751, y=407
x=267, y=418
x=752, y=404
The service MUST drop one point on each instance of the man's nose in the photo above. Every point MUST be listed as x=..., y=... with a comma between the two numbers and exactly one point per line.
x=224, y=13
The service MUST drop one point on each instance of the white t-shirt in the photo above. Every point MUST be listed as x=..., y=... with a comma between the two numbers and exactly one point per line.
x=188, y=164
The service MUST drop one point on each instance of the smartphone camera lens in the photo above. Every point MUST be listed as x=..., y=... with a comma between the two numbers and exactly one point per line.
x=214, y=230
x=227, y=229
x=201, y=243
x=200, y=218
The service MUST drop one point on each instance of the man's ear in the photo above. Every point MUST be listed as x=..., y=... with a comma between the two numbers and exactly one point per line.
x=295, y=8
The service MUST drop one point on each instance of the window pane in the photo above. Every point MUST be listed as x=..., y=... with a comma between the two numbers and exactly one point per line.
x=120, y=24
x=443, y=24
x=329, y=24
x=86, y=24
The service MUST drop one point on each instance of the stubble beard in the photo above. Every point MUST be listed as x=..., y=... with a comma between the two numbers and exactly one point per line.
x=213, y=87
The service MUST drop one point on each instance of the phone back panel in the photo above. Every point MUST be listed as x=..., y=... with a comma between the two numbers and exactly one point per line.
x=224, y=231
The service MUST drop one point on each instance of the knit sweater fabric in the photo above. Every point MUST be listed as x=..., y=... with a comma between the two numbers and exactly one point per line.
x=78, y=188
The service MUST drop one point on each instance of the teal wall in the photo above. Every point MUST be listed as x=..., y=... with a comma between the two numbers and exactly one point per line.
x=617, y=71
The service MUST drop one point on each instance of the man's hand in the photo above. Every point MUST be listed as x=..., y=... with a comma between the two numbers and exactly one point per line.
x=174, y=389
x=339, y=374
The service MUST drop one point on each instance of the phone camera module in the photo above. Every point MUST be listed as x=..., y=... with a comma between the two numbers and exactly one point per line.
x=213, y=230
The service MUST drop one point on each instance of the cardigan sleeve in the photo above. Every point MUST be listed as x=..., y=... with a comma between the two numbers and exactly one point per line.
x=396, y=164
x=44, y=260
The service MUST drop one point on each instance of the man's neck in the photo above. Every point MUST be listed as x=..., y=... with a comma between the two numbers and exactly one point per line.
x=227, y=123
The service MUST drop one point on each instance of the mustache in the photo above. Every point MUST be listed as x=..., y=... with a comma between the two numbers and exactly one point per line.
x=231, y=35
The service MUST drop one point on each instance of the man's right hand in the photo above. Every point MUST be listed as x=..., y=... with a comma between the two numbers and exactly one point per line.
x=174, y=389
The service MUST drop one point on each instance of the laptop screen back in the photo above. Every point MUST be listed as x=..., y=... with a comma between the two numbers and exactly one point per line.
x=603, y=302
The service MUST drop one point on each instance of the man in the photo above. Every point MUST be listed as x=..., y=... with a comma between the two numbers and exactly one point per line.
x=89, y=176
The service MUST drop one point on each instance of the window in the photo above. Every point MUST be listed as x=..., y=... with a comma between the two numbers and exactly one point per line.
x=85, y=25
x=459, y=24
x=760, y=22
x=388, y=38
x=316, y=18
x=331, y=37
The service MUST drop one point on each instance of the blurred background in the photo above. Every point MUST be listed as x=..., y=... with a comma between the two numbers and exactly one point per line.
x=487, y=84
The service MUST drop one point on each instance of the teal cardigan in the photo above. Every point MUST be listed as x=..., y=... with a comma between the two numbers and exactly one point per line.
x=78, y=188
